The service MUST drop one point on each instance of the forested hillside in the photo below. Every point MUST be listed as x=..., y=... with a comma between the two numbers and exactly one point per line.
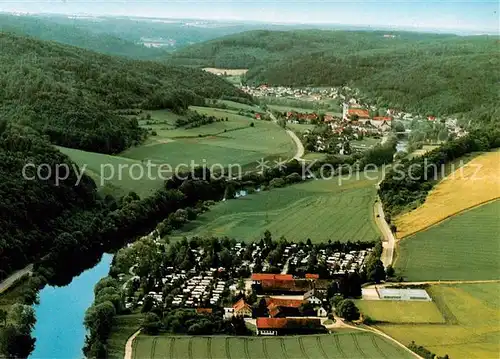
x=77, y=34
x=70, y=94
x=425, y=73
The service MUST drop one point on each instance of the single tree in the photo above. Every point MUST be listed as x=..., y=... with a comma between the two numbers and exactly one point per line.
x=347, y=309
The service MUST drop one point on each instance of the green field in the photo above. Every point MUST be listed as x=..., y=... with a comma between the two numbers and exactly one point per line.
x=393, y=311
x=316, y=209
x=366, y=142
x=472, y=312
x=127, y=172
x=299, y=128
x=228, y=142
x=340, y=345
x=466, y=246
x=240, y=106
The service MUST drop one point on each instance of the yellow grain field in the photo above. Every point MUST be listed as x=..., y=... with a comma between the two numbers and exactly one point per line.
x=475, y=183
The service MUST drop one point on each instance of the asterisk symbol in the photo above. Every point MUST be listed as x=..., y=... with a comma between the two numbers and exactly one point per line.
x=262, y=165
x=281, y=164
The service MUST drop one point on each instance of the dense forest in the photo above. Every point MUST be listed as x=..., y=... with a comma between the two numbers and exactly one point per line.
x=77, y=34
x=425, y=73
x=70, y=94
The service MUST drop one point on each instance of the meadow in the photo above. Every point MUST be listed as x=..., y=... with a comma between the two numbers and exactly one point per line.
x=393, y=311
x=472, y=312
x=339, y=345
x=229, y=142
x=475, y=183
x=100, y=167
x=465, y=246
x=316, y=209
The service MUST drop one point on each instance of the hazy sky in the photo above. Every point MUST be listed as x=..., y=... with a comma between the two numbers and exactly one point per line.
x=477, y=16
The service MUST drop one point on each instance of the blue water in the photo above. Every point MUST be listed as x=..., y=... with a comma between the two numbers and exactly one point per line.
x=59, y=329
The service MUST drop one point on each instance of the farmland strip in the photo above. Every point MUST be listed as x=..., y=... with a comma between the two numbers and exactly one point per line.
x=153, y=348
x=357, y=345
x=302, y=348
x=375, y=344
x=228, y=353
x=209, y=348
x=245, y=347
x=337, y=343
x=283, y=348
x=320, y=346
x=172, y=344
x=190, y=348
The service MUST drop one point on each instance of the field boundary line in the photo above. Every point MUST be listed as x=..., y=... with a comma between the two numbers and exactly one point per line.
x=321, y=348
x=226, y=345
x=375, y=344
x=283, y=347
x=264, y=348
x=209, y=348
x=190, y=348
x=245, y=348
x=171, y=353
x=302, y=348
x=337, y=343
x=450, y=216
x=356, y=344
x=153, y=347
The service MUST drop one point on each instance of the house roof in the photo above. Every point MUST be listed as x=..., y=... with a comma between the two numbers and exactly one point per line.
x=295, y=285
x=269, y=276
x=310, y=275
x=279, y=302
x=279, y=323
x=240, y=305
x=360, y=112
x=382, y=118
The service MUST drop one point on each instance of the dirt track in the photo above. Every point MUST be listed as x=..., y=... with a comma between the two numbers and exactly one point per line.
x=9, y=281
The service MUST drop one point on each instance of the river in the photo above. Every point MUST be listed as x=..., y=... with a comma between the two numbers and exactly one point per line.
x=59, y=329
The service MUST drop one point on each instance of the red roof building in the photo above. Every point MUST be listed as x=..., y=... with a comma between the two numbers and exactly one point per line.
x=274, y=326
x=360, y=112
x=242, y=309
x=204, y=310
x=382, y=118
x=270, y=276
x=310, y=275
x=431, y=118
x=257, y=116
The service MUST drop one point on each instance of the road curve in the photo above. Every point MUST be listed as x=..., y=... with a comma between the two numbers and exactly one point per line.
x=389, y=241
x=9, y=281
x=300, y=147
x=128, y=346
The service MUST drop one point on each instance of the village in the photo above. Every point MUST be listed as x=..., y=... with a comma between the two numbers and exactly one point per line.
x=343, y=133
x=278, y=287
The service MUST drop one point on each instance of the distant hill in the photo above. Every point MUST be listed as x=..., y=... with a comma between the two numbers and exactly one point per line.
x=427, y=73
x=70, y=94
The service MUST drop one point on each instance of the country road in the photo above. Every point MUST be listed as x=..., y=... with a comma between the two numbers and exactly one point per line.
x=300, y=147
x=9, y=281
x=389, y=241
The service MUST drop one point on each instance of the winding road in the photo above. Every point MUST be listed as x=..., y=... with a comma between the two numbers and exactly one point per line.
x=389, y=241
x=9, y=281
x=300, y=147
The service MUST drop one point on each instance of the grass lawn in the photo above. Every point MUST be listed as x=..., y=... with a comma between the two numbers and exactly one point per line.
x=474, y=183
x=284, y=108
x=366, y=142
x=239, y=106
x=473, y=315
x=339, y=345
x=466, y=246
x=123, y=327
x=126, y=172
x=393, y=311
x=317, y=209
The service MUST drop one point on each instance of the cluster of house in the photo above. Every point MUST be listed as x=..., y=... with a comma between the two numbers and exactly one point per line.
x=293, y=304
x=305, y=93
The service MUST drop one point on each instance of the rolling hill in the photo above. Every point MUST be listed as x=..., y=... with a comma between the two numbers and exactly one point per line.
x=71, y=94
x=426, y=73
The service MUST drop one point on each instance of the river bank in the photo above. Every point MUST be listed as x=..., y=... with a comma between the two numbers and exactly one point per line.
x=59, y=330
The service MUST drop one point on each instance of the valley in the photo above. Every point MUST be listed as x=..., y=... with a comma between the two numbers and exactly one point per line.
x=238, y=193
